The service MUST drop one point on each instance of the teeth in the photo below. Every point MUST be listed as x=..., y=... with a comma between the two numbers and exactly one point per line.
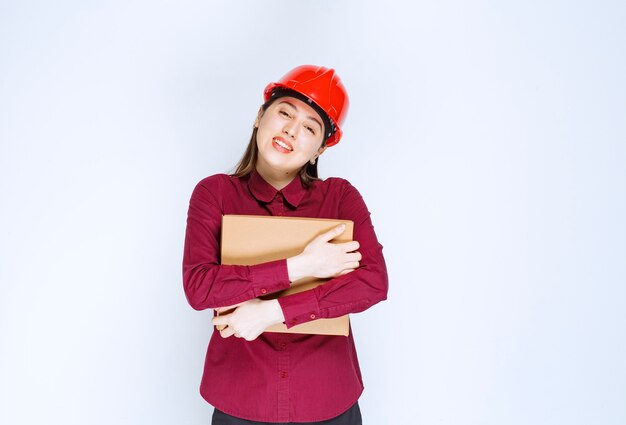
x=282, y=144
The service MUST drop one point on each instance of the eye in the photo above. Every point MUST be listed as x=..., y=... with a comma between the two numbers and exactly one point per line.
x=311, y=130
x=284, y=113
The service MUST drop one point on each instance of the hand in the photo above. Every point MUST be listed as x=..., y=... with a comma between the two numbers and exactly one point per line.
x=324, y=259
x=250, y=318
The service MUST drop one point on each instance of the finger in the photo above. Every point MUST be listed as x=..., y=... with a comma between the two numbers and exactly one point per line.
x=352, y=265
x=223, y=309
x=332, y=233
x=349, y=246
x=251, y=337
x=221, y=315
x=345, y=272
x=221, y=320
x=227, y=332
x=355, y=256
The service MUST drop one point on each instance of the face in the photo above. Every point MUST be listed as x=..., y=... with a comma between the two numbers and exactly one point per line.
x=289, y=135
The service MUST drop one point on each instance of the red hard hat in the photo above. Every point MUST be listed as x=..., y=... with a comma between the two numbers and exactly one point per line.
x=323, y=86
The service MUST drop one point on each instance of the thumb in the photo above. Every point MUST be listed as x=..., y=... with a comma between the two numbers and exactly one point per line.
x=220, y=320
x=226, y=308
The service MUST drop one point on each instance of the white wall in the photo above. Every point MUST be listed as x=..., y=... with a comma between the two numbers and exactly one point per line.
x=493, y=131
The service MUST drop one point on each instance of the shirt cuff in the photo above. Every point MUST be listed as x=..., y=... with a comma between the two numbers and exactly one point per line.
x=300, y=308
x=269, y=277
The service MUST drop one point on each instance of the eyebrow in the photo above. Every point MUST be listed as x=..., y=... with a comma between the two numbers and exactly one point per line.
x=310, y=117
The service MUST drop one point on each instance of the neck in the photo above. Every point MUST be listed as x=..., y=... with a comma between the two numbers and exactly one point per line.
x=278, y=179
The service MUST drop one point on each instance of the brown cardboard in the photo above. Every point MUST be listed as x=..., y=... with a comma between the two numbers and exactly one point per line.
x=251, y=239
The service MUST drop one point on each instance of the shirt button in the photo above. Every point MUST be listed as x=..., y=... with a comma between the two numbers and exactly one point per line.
x=279, y=213
x=282, y=346
x=312, y=316
x=264, y=291
x=283, y=374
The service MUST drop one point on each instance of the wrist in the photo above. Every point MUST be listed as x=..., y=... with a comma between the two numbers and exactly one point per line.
x=277, y=311
x=296, y=267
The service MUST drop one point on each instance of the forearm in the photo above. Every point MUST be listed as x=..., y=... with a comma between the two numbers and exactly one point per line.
x=207, y=282
x=297, y=267
x=350, y=293
x=249, y=319
x=353, y=292
x=213, y=285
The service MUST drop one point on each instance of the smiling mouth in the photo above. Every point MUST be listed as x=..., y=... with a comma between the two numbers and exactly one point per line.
x=285, y=146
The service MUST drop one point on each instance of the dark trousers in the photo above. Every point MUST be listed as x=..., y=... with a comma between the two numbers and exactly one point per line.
x=352, y=416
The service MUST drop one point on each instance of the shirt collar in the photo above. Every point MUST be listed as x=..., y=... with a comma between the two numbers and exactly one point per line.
x=265, y=192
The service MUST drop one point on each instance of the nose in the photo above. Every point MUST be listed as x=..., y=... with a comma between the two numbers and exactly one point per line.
x=290, y=129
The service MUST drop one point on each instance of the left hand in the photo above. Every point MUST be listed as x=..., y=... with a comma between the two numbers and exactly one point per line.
x=250, y=318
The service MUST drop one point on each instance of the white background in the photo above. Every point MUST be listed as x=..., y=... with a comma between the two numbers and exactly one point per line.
x=487, y=139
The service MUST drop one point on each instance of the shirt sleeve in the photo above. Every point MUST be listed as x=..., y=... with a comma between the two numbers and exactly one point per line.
x=350, y=293
x=206, y=282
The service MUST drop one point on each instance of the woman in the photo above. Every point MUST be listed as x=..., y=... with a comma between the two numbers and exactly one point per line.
x=251, y=376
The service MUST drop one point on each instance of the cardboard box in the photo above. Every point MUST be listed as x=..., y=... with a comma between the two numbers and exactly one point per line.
x=252, y=239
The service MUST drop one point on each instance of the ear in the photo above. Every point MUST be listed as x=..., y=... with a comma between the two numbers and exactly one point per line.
x=321, y=150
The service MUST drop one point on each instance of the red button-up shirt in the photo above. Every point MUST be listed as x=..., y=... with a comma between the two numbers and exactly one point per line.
x=280, y=377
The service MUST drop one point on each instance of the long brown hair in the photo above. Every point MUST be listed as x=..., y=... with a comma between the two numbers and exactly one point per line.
x=308, y=172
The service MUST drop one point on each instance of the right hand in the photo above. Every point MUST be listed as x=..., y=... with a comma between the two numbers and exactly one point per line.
x=326, y=259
